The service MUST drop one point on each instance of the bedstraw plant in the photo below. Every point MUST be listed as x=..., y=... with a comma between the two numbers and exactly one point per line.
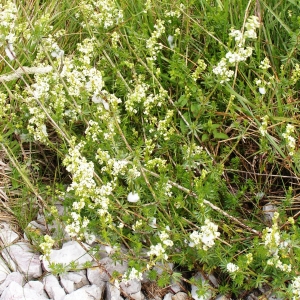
x=163, y=127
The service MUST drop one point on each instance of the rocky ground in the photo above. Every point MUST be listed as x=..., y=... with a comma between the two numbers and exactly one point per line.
x=24, y=274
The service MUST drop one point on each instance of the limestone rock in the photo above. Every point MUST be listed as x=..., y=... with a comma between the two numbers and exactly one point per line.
x=15, y=292
x=70, y=252
x=7, y=235
x=21, y=258
x=96, y=275
x=53, y=288
x=268, y=211
x=36, y=286
x=168, y=296
x=180, y=296
x=131, y=287
x=72, y=281
x=88, y=292
x=112, y=292
x=4, y=270
x=12, y=277
x=137, y=296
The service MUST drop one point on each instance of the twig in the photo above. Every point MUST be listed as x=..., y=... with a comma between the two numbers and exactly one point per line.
x=25, y=70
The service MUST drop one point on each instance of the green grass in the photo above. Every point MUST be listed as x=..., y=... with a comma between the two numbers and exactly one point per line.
x=126, y=110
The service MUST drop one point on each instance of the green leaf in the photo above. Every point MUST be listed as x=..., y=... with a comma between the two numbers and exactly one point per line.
x=204, y=137
x=220, y=135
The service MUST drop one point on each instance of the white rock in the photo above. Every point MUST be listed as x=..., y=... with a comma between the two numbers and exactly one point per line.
x=194, y=289
x=168, y=296
x=88, y=292
x=15, y=292
x=21, y=258
x=36, y=286
x=4, y=270
x=12, y=277
x=180, y=296
x=96, y=275
x=7, y=235
x=268, y=211
x=112, y=292
x=137, y=296
x=213, y=280
x=72, y=281
x=70, y=252
x=53, y=288
x=175, y=287
x=131, y=287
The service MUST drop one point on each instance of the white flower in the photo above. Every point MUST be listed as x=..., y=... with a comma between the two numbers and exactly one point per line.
x=10, y=53
x=170, y=41
x=152, y=223
x=133, y=197
x=231, y=268
x=262, y=90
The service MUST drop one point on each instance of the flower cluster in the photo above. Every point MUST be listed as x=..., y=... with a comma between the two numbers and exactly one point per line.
x=296, y=288
x=205, y=239
x=85, y=189
x=4, y=106
x=241, y=53
x=104, y=13
x=159, y=250
x=290, y=140
x=8, y=17
x=152, y=43
x=264, y=125
x=295, y=74
x=201, y=66
x=164, y=237
x=46, y=246
x=265, y=64
x=132, y=275
x=275, y=246
x=232, y=268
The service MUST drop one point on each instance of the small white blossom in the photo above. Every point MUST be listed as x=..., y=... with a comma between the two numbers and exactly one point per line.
x=296, y=288
x=133, y=197
x=232, y=268
x=262, y=90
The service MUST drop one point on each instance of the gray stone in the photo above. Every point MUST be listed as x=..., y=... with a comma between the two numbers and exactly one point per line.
x=268, y=212
x=88, y=292
x=131, y=287
x=96, y=275
x=20, y=257
x=72, y=281
x=112, y=292
x=15, y=292
x=7, y=235
x=70, y=252
x=53, y=288
x=4, y=270
x=168, y=296
x=137, y=296
x=36, y=286
x=180, y=296
x=12, y=277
